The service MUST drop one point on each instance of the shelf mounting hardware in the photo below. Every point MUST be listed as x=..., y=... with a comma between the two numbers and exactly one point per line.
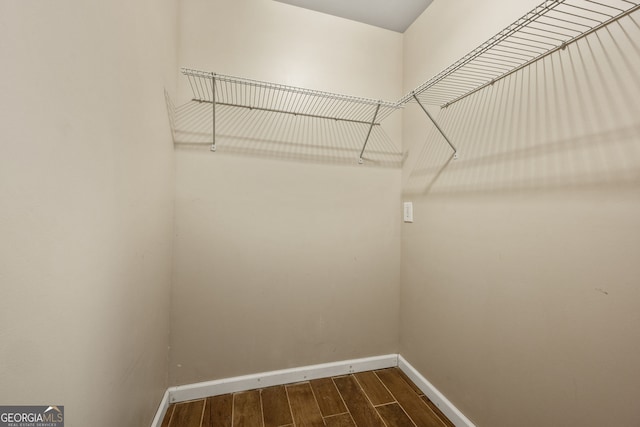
x=213, y=107
x=373, y=122
x=455, y=150
x=228, y=92
x=548, y=28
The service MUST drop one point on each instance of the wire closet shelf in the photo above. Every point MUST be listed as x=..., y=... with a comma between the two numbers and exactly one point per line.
x=549, y=27
x=238, y=92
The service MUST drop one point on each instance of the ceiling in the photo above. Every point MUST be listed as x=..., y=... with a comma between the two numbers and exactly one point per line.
x=395, y=15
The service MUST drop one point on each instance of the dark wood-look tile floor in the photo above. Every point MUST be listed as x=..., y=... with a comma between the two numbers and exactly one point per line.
x=383, y=398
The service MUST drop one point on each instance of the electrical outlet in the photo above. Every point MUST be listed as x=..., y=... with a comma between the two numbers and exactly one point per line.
x=408, y=212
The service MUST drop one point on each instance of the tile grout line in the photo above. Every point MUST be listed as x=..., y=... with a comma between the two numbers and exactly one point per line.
x=173, y=411
x=286, y=392
x=424, y=395
x=369, y=399
x=337, y=391
x=315, y=399
x=335, y=415
x=442, y=420
x=408, y=380
x=385, y=404
x=204, y=406
x=432, y=411
x=436, y=414
x=342, y=398
x=394, y=396
x=261, y=407
x=233, y=407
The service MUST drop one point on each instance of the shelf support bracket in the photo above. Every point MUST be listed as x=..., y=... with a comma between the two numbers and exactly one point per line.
x=373, y=122
x=455, y=150
x=213, y=104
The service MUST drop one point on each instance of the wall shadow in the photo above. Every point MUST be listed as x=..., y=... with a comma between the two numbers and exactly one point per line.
x=568, y=121
x=264, y=134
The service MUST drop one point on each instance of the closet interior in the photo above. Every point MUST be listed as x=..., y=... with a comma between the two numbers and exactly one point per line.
x=549, y=27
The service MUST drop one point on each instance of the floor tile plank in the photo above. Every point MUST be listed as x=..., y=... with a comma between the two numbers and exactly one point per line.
x=359, y=406
x=438, y=412
x=167, y=416
x=304, y=407
x=373, y=388
x=408, y=380
x=328, y=397
x=413, y=405
x=247, y=410
x=187, y=414
x=343, y=420
x=368, y=399
x=394, y=416
x=275, y=407
x=218, y=411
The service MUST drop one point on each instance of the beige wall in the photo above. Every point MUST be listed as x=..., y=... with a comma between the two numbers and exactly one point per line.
x=86, y=200
x=519, y=295
x=514, y=291
x=283, y=263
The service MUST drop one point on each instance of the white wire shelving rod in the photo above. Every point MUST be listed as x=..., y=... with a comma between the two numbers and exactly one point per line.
x=549, y=27
x=238, y=92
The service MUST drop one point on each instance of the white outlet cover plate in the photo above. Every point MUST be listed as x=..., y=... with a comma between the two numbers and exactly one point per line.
x=408, y=212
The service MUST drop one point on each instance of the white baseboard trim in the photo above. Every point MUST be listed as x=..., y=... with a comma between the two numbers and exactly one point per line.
x=286, y=376
x=162, y=410
x=447, y=408
x=201, y=390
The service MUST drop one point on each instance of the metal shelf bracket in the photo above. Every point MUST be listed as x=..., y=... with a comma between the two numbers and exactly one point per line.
x=455, y=150
x=548, y=28
x=373, y=122
x=213, y=107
